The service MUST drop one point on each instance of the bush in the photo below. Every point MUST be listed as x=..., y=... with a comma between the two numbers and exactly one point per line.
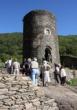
x=2, y=65
x=72, y=82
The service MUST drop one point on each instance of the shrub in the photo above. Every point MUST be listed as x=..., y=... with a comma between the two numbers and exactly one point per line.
x=72, y=82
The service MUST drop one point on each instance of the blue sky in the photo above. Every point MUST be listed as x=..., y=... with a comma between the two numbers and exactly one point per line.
x=12, y=12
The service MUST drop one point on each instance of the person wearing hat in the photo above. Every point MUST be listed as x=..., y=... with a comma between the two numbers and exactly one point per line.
x=35, y=71
x=45, y=73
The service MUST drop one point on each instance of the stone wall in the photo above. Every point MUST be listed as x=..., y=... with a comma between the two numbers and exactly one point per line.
x=69, y=61
x=71, y=73
x=18, y=93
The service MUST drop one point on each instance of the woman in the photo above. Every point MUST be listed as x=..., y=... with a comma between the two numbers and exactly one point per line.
x=45, y=72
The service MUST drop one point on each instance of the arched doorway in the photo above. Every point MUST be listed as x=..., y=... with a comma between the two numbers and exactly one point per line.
x=48, y=53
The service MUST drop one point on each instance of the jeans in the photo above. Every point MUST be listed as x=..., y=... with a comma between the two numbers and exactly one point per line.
x=35, y=74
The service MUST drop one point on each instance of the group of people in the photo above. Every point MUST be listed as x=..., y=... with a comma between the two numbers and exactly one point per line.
x=12, y=66
x=60, y=74
x=36, y=71
x=31, y=67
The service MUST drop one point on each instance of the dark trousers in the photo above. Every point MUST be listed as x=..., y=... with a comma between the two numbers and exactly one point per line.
x=63, y=80
x=58, y=78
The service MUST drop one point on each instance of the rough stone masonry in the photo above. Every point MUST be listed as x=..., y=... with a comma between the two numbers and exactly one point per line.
x=18, y=93
x=39, y=32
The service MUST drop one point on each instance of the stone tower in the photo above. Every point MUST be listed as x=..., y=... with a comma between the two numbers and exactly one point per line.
x=39, y=34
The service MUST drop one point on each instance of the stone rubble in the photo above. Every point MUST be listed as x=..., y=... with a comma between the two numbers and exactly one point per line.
x=18, y=93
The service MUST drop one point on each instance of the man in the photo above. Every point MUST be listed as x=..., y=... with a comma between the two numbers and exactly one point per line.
x=57, y=73
x=63, y=75
x=8, y=65
x=35, y=71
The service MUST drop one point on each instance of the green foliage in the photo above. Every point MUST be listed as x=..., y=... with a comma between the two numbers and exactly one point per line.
x=2, y=65
x=72, y=82
x=11, y=46
x=68, y=45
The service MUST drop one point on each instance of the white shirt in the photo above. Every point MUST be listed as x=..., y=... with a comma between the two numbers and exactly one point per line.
x=16, y=65
x=63, y=72
x=34, y=64
x=57, y=69
x=46, y=66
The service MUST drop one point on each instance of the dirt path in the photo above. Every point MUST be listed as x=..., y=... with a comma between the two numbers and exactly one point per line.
x=65, y=97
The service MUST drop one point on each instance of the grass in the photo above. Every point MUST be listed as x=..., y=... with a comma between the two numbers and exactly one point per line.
x=72, y=82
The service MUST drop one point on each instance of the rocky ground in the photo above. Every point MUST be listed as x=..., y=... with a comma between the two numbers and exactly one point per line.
x=18, y=93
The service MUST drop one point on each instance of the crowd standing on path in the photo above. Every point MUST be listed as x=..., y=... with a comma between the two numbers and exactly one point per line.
x=30, y=67
x=12, y=66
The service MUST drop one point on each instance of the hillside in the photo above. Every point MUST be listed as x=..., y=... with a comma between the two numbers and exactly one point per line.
x=11, y=45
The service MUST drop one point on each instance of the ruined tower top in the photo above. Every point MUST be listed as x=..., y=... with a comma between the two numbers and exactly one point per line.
x=39, y=12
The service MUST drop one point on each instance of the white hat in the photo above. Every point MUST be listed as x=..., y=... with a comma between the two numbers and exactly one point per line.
x=35, y=59
x=45, y=62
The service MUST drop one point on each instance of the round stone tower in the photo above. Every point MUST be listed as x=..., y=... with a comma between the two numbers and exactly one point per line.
x=39, y=36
